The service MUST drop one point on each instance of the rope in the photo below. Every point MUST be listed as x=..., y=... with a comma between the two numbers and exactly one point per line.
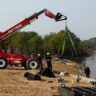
x=70, y=41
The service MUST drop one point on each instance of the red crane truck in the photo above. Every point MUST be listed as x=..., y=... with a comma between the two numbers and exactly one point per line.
x=13, y=55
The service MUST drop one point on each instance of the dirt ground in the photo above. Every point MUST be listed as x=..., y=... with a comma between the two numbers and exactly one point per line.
x=13, y=82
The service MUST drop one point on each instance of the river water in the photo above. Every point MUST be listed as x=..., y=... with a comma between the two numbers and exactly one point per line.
x=91, y=63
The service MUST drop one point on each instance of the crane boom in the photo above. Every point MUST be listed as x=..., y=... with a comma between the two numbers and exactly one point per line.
x=28, y=20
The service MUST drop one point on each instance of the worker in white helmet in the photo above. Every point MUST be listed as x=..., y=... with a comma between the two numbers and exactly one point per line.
x=48, y=59
x=39, y=58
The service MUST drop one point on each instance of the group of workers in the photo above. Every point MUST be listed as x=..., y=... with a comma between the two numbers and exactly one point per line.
x=48, y=60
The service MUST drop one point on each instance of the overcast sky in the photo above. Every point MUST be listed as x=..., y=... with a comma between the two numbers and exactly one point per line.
x=81, y=16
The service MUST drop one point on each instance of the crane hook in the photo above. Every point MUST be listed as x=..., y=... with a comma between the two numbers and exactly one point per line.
x=60, y=17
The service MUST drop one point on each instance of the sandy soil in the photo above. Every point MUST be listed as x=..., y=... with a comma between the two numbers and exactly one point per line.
x=13, y=82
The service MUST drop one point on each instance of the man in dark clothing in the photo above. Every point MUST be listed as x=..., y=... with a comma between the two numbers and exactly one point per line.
x=39, y=58
x=87, y=71
x=48, y=59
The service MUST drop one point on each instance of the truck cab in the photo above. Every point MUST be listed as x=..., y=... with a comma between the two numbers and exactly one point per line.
x=12, y=56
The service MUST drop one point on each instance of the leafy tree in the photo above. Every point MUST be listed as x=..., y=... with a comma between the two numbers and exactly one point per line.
x=64, y=43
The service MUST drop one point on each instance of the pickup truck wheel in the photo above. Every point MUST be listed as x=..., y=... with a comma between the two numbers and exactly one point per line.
x=3, y=63
x=32, y=64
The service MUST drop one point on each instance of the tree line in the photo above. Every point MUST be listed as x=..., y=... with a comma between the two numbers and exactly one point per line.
x=90, y=45
x=62, y=43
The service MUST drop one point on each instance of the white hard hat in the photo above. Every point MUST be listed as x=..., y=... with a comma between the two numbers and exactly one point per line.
x=47, y=53
x=38, y=54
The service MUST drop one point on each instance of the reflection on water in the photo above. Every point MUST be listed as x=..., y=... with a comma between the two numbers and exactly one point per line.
x=91, y=62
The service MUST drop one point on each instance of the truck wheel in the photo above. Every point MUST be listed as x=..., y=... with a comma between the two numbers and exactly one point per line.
x=3, y=63
x=32, y=64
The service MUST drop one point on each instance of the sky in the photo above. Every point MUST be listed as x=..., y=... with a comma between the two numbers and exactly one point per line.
x=81, y=16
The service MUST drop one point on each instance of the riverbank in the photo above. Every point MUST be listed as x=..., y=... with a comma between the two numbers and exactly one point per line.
x=91, y=63
x=13, y=82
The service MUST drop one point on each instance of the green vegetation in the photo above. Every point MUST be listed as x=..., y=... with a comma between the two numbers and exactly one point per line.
x=63, y=43
x=90, y=45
